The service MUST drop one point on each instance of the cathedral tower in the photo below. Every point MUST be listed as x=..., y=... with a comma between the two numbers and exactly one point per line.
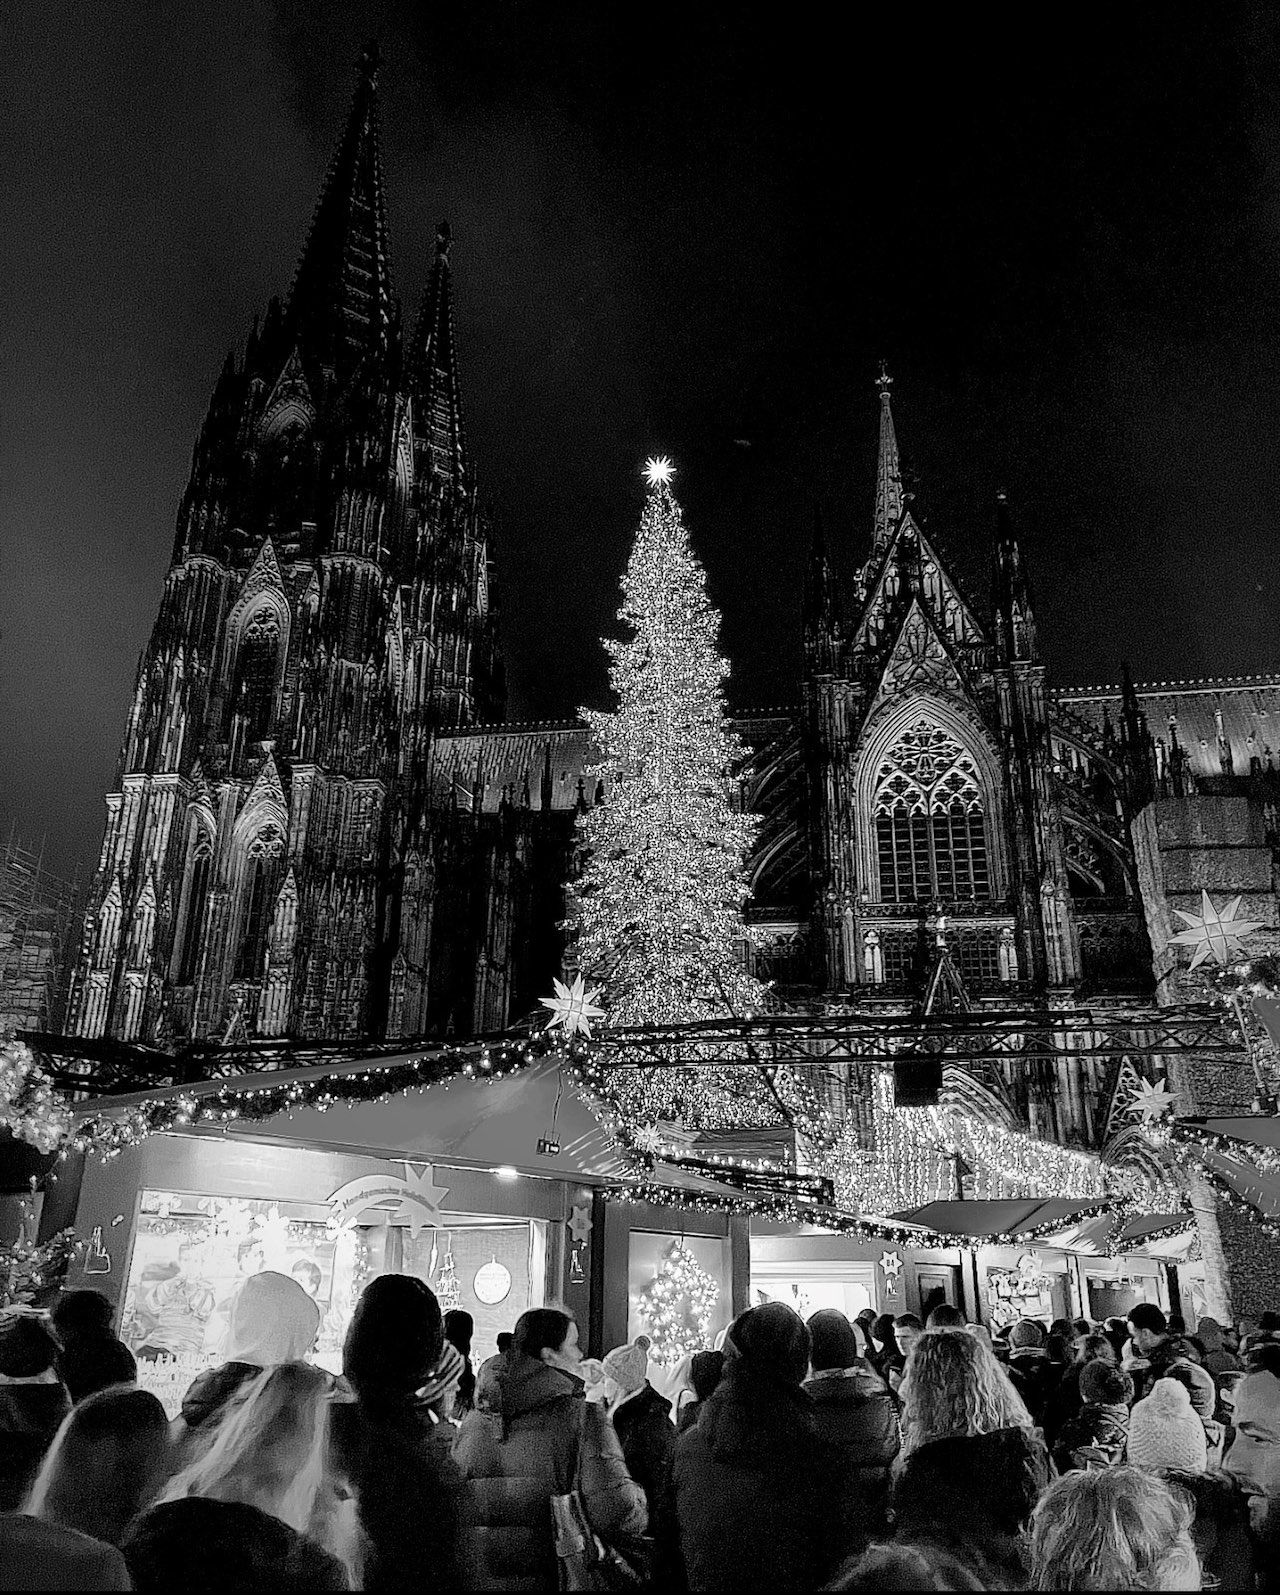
x=326, y=613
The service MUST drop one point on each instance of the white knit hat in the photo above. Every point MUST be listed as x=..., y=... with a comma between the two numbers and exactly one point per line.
x=628, y=1366
x=1165, y=1433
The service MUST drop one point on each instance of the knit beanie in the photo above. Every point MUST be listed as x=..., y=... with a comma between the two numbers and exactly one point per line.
x=1027, y=1335
x=835, y=1340
x=1103, y=1383
x=27, y=1348
x=1199, y=1385
x=1164, y=1432
x=628, y=1366
x=771, y=1340
x=396, y=1335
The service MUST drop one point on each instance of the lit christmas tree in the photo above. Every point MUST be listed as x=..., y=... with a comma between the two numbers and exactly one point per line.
x=677, y=1304
x=658, y=907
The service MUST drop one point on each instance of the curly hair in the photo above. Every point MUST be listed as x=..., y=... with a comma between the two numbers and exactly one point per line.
x=1117, y=1528
x=953, y=1385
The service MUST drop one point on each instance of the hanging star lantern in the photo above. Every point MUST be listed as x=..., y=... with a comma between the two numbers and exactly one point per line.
x=580, y=1224
x=573, y=1008
x=1213, y=933
x=658, y=470
x=890, y=1266
x=1151, y=1099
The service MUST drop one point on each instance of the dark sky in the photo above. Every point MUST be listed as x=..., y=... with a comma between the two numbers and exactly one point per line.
x=675, y=228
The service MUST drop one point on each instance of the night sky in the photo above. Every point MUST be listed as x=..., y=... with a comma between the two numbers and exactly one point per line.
x=676, y=230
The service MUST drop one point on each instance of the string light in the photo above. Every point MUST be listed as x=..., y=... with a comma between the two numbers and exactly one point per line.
x=30, y=1109
x=677, y=1305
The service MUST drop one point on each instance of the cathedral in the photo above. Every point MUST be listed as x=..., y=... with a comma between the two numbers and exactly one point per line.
x=322, y=826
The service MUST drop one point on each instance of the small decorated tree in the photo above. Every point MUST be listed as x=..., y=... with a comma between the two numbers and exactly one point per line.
x=677, y=1305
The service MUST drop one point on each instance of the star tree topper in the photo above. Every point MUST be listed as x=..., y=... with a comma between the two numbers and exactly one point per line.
x=1213, y=933
x=658, y=471
x=573, y=1008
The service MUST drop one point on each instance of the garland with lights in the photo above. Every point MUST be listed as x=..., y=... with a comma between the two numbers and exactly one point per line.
x=30, y=1108
x=677, y=1305
x=1263, y=1159
x=28, y=1266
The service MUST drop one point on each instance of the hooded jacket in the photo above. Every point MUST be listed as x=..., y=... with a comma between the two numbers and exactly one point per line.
x=644, y=1428
x=855, y=1412
x=760, y=1499
x=271, y=1320
x=532, y=1436
x=200, y=1546
x=30, y=1413
x=973, y=1493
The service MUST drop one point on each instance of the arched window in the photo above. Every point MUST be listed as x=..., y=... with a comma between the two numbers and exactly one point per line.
x=193, y=921
x=257, y=899
x=931, y=840
x=253, y=692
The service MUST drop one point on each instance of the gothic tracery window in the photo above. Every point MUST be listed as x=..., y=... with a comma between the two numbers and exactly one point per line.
x=258, y=900
x=931, y=838
x=253, y=692
x=197, y=897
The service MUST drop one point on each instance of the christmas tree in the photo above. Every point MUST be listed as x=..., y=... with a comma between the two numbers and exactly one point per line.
x=677, y=1304
x=658, y=906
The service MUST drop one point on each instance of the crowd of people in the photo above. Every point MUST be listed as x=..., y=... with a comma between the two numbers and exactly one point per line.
x=829, y=1454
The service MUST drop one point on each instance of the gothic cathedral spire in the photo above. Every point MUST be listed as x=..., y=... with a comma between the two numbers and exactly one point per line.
x=340, y=308
x=433, y=371
x=1011, y=597
x=888, y=471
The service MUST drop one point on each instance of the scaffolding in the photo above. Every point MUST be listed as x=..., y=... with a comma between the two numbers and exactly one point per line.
x=37, y=912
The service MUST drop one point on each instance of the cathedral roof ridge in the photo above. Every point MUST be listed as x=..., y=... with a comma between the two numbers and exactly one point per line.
x=497, y=727
x=1238, y=682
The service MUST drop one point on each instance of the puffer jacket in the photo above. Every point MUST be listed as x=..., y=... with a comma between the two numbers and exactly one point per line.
x=855, y=1412
x=972, y=1494
x=532, y=1436
x=755, y=1492
x=648, y=1437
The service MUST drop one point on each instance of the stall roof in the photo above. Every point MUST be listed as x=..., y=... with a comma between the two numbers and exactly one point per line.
x=988, y=1219
x=1254, y=1129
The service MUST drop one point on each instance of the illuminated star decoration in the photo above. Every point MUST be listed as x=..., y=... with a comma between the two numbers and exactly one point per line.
x=573, y=1008
x=423, y=1187
x=890, y=1266
x=1151, y=1099
x=658, y=471
x=1213, y=933
x=580, y=1224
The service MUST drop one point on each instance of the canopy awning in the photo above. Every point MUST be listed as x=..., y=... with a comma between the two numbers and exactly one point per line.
x=1242, y=1153
x=998, y=1222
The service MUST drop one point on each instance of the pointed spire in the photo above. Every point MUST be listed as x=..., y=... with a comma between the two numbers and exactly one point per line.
x=1011, y=591
x=433, y=370
x=340, y=308
x=817, y=587
x=889, y=470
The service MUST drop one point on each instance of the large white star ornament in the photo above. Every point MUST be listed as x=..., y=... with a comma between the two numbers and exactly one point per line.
x=658, y=470
x=890, y=1265
x=1152, y=1099
x=573, y=1008
x=1213, y=933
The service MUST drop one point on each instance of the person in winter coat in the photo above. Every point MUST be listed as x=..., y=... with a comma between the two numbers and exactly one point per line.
x=1164, y=1432
x=91, y=1356
x=886, y=1356
x=532, y=1436
x=1217, y=1358
x=408, y=1489
x=1221, y=1527
x=106, y=1464
x=1254, y=1457
x=1064, y=1399
x=1151, y=1348
x=854, y=1410
x=705, y=1371
x=459, y=1328
x=1032, y=1373
x=271, y=1320
x=758, y=1497
x=33, y=1402
x=973, y=1463
x=260, y=1508
x=35, y=1555
x=1203, y=1391
x=1098, y=1432
x=641, y=1417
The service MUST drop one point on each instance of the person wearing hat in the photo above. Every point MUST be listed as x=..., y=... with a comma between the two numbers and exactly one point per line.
x=853, y=1407
x=33, y=1401
x=641, y=1417
x=1095, y=1435
x=1034, y=1376
x=760, y=1499
x=1164, y=1432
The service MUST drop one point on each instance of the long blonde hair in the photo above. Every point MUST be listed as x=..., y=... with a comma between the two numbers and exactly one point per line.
x=953, y=1385
x=271, y=1450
